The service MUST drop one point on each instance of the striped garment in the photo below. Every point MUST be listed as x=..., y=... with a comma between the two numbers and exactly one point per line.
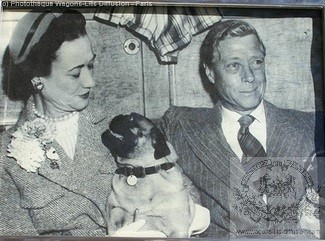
x=168, y=29
x=208, y=160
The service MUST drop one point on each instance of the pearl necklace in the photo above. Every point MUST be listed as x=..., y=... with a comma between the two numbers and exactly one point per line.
x=54, y=119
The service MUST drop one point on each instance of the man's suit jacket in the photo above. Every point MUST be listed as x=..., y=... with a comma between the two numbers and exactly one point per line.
x=210, y=163
x=70, y=200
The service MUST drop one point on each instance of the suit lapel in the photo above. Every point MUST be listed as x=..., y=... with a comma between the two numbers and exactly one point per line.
x=280, y=133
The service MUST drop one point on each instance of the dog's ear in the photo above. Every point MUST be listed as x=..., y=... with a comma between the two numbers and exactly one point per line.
x=113, y=143
x=159, y=143
x=106, y=135
x=108, y=141
x=118, y=138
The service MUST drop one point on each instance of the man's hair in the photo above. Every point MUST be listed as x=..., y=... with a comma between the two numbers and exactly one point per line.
x=224, y=30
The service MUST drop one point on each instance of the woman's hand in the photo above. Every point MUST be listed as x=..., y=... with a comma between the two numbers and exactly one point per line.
x=133, y=230
x=201, y=220
x=200, y=223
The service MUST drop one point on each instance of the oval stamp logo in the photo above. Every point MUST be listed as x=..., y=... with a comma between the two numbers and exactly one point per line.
x=277, y=190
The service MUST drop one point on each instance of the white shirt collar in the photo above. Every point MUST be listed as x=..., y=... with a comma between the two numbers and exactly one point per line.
x=228, y=115
x=258, y=113
x=230, y=127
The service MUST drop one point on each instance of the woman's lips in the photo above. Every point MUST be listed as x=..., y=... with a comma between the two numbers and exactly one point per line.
x=85, y=96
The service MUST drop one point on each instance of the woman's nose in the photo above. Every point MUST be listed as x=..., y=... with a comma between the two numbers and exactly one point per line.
x=88, y=80
x=248, y=75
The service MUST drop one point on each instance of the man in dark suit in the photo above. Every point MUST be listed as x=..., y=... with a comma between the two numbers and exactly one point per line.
x=222, y=149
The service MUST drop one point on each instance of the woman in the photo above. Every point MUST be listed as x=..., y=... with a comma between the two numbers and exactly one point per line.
x=48, y=64
x=55, y=171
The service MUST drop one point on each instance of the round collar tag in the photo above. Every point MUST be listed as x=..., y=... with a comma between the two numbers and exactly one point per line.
x=132, y=180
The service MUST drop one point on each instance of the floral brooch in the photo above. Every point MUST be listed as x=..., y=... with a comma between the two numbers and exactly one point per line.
x=31, y=145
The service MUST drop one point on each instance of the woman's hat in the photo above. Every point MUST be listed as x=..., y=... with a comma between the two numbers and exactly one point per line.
x=28, y=32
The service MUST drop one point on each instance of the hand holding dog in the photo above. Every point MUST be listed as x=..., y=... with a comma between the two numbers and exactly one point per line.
x=133, y=230
x=200, y=223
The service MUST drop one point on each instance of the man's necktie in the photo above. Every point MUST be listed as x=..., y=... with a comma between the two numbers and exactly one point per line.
x=250, y=146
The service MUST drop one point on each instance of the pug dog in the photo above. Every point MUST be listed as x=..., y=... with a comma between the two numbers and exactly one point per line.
x=147, y=184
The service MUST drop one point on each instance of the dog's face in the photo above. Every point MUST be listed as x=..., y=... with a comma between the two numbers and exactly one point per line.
x=132, y=136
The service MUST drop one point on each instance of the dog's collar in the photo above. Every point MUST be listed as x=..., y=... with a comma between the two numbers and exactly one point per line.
x=140, y=172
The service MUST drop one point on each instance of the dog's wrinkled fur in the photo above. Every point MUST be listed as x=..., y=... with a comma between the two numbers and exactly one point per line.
x=158, y=198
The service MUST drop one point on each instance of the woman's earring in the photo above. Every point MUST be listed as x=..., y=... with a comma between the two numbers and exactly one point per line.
x=37, y=83
x=39, y=86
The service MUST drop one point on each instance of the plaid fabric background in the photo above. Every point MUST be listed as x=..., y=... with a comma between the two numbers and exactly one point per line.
x=168, y=29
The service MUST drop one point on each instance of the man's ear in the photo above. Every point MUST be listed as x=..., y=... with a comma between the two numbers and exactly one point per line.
x=209, y=73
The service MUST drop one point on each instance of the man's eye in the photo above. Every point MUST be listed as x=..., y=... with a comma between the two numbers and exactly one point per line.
x=257, y=64
x=233, y=67
x=140, y=134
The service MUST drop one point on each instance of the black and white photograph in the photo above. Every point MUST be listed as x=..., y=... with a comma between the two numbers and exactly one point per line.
x=158, y=120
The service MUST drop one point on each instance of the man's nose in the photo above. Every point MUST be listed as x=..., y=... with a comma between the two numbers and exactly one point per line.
x=88, y=80
x=248, y=74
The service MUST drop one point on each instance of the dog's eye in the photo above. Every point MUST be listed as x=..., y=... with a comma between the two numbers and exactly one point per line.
x=140, y=134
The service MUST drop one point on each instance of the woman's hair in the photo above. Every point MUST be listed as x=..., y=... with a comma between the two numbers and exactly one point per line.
x=16, y=80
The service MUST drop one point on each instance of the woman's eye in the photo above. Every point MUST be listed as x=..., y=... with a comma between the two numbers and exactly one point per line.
x=257, y=64
x=75, y=74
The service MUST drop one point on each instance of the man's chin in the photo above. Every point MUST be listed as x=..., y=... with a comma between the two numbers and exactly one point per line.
x=244, y=108
x=251, y=106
